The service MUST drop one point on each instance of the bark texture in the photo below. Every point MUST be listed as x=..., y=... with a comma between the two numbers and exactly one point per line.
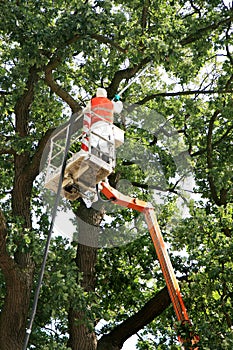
x=18, y=269
x=83, y=336
x=153, y=308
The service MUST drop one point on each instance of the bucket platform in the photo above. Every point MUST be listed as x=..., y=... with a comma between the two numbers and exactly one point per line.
x=84, y=169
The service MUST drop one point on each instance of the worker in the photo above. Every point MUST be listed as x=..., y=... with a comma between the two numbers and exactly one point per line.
x=98, y=118
x=98, y=134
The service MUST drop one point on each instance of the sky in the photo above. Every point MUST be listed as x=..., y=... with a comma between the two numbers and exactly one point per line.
x=130, y=344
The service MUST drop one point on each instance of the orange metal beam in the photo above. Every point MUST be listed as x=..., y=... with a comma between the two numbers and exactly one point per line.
x=123, y=200
x=161, y=251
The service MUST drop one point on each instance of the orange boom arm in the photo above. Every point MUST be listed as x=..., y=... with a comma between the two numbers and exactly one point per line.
x=161, y=251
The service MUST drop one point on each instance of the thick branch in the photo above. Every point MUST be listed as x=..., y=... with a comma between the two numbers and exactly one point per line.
x=34, y=167
x=55, y=61
x=183, y=93
x=203, y=150
x=22, y=188
x=58, y=90
x=7, y=151
x=153, y=187
x=24, y=102
x=105, y=40
x=100, y=38
x=127, y=73
x=201, y=31
x=152, y=309
x=145, y=9
x=209, y=148
x=88, y=220
x=6, y=263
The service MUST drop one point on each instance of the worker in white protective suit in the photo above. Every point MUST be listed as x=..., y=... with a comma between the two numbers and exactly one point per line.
x=98, y=133
x=98, y=118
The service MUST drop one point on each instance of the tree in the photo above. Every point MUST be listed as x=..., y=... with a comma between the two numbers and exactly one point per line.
x=52, y=54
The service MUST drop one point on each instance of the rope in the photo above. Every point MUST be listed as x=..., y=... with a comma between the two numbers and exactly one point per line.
x=54, y=213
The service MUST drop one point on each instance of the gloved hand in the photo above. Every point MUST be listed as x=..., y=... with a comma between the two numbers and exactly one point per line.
x=118, y=106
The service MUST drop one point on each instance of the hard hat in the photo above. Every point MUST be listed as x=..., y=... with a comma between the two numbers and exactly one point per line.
x=100, y=92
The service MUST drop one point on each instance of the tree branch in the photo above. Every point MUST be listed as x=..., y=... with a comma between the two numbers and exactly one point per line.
x=6, y=263
x=196, y=9
x=100, y=38
x=34, y=167
x=183, y=93
x=7, y=151
x=209, y=149
x=152, y=309
x=144, y=19
x=127, y=73
x=203, y=150
x=153, y=187
x=201, y=31
x=57, y=89
x=55, y=61
x=23, y=104
x=105, y=40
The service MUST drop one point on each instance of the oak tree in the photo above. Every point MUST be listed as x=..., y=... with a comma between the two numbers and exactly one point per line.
x=55, y=53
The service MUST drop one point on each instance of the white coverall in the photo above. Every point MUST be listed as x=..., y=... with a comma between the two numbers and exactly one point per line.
x=102, y=128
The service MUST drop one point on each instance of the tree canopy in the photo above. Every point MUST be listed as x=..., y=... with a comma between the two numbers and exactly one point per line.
x=54, y=54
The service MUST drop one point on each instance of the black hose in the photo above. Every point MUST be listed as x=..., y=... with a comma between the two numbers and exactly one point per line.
x=54, y=212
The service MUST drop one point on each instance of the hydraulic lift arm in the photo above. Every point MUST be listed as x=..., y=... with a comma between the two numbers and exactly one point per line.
x=172, y=284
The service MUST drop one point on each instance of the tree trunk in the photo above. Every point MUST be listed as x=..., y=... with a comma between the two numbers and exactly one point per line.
x=18, y=275
x=82, y=335
x=18, y=281
x=18, y=271
x=14, y=313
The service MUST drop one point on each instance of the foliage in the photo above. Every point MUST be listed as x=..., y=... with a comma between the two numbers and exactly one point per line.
x=54, y=54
